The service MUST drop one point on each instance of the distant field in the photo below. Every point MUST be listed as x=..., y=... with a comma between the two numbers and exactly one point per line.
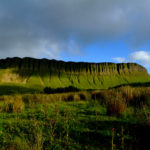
x=11, y=89
x=102, y=119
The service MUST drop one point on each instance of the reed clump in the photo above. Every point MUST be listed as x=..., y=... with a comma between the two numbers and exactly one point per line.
x=112, y=100
x=128, y=93
x=115, y=107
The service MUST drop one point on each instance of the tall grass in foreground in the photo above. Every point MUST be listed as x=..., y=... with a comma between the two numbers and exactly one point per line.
x=118, y=100
x=80, y=120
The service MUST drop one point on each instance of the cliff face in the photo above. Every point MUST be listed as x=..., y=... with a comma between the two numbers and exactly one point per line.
x=46, y=66
x=42, y=72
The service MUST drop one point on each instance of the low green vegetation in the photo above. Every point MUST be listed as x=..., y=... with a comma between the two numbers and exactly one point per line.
x=115, y=119
x=11, y=89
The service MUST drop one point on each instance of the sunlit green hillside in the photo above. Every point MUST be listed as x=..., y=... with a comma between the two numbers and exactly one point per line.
x=36, y=74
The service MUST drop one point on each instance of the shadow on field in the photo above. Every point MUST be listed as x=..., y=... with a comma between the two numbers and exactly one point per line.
x=99, y=135
x=138, y=84
x=13, y=89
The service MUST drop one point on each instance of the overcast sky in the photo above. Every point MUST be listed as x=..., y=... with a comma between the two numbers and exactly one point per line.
x=76, y=30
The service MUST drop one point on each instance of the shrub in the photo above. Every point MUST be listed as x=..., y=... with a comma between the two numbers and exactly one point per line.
x=141, y=98
x=135, y=96
x=70, y=98
x=49, y=90
x=128, y=93
x=82, y=96
x=115, y=107
x=115, y=104
x=100, y=96
x=13, y=105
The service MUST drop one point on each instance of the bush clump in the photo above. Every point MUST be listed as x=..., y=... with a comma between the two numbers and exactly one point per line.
x=115, y=104
x=116, y=107
x=68, y=98
x=128, y=93
x=49, y=90
x=100, y=97
x=82, y=96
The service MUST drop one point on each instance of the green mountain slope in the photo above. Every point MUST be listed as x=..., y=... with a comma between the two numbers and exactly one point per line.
x=39, y=73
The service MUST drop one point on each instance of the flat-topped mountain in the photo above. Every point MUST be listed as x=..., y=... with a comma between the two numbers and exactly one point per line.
x=39, y=73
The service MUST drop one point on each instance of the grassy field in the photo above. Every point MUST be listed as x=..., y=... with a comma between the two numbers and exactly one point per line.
x=82, y=82
x=115, y=119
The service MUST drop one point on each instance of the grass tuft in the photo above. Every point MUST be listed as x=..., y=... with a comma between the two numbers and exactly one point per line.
x=13, y=104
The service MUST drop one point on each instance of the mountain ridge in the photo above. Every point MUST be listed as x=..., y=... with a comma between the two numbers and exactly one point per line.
x=39, y=73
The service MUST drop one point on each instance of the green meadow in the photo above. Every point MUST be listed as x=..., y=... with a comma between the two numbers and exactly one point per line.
x=115, y=119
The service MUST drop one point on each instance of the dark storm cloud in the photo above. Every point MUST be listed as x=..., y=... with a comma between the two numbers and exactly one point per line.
x=41, y=28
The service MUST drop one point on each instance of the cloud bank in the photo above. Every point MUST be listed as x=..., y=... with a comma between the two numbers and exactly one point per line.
x=142, y=57
x=119, y=59
x=45, y=28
